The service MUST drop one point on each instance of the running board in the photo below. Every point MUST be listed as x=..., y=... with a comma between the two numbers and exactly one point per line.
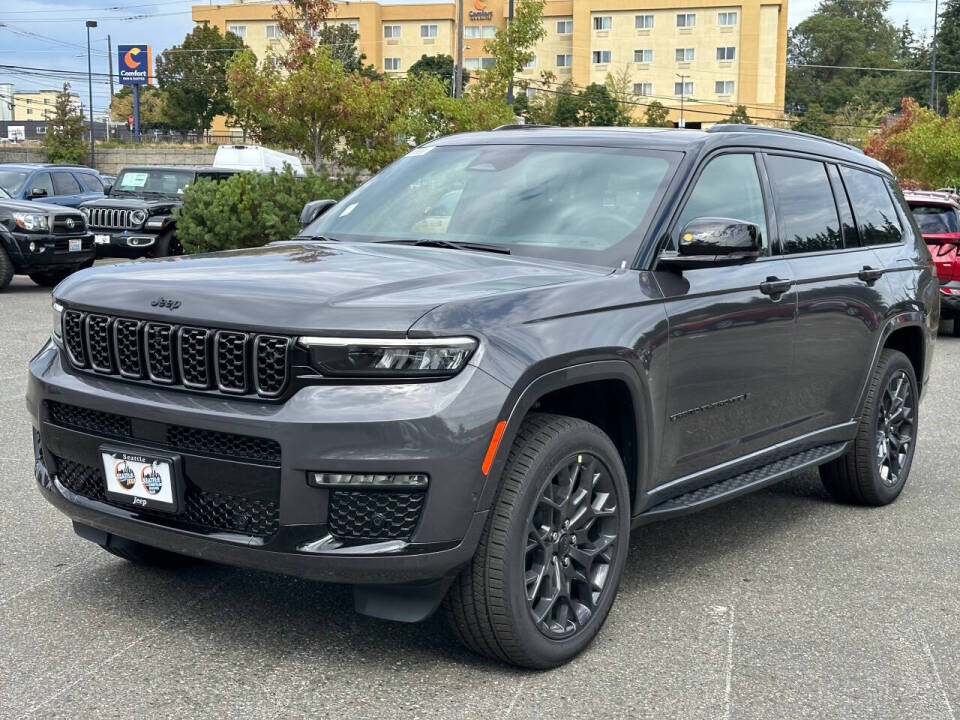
x=741, y=484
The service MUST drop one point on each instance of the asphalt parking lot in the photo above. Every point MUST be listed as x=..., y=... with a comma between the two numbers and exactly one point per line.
x=783, y=604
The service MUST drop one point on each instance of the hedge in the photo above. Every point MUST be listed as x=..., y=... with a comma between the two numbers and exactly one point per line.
x=249, y=209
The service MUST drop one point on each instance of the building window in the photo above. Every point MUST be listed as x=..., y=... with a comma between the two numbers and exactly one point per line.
x=601, y=57
x=488, y=31
x=273, y=32
x=239, y=30
x=471, y=31
x=643, y=89
x=603, y=22
x=487, y=62
x=391, y=64
x=723, y=87
x=727, y=19
x=643, y=56
x=683, y=88
x=391, y=31
x=643, y=22
x=564, y=27
x=726, y=53
x=471, y=63
x=530, y=92
x=532, y=64
x=29, y=111
x=686, y=20
x=46, y=101
x=428, y=31
x=41, y=130
x=684, y=55
x=564, y=60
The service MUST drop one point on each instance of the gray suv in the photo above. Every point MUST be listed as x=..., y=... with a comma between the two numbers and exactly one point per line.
x=466, y=382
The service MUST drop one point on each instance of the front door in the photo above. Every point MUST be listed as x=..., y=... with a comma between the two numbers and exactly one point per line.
x=731, y=334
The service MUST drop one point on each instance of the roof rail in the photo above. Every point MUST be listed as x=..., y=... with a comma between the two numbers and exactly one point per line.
x=518, y=126
x=733, y=127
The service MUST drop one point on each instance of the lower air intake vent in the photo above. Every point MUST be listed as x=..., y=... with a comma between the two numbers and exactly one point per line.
x=374, y=514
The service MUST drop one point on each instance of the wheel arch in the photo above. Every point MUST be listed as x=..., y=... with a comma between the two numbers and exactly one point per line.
x=906, y=333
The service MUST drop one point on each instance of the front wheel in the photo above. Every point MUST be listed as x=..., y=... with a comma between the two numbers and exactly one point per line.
x=547, y=569
x=875, y=469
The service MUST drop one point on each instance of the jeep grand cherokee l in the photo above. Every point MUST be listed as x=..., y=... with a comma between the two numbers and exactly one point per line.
x=468, y=380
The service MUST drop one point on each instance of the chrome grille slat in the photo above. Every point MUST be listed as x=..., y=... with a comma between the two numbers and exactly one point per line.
x=196, y=358
x=110, y=218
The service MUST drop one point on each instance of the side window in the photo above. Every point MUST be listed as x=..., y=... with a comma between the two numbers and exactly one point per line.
x=847, y=228
x=65, y=184
x=42, y=181
x=90, y=182
x=873, y=207
x=728, y=187
x=805, y=205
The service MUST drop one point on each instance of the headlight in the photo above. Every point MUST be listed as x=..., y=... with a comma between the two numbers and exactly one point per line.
x=138, y=217
x=389, y=358
x=30, y=221
x=57, y=319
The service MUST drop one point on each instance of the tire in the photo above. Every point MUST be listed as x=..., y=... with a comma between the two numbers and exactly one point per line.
x=6, y=269
x=488, y=605
x=955, y=330
x=140, y=554
x=51, y=278
x=166, y=246
x=863, y=476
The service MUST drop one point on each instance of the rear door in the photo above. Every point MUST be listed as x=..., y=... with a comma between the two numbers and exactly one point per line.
x=731, y=333
x=90, y=186
x=839, y=289
x=66, y=189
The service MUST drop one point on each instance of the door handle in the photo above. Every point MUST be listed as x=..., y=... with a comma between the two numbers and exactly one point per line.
x=775, y=286
x=869, y=275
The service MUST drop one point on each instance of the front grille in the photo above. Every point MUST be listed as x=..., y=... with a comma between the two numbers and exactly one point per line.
x=197, y=358
x=177, y=437
x=111, y=218
x=374, y=514
x=72, y=224
x=232, y=513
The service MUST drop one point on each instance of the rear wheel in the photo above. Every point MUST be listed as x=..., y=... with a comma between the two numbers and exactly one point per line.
x=547, y=569
x=141, y=554
x=875, y=469
x=6, y=269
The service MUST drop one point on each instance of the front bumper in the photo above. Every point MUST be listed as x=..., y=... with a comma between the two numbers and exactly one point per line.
x=950, y=299
x=49, y=250
x=441, y=429
x=123, y=244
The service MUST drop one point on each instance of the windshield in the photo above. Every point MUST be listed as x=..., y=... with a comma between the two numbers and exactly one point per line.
x=579, y=204
x=12, y=181
x=935, y=219
x=152, y=181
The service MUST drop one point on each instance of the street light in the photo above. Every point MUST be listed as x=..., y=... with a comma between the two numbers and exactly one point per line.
x=683, y=79
x=90, y=24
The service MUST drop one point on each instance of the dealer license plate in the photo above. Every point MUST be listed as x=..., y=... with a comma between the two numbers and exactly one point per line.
x=100, y=239
x=141, y=480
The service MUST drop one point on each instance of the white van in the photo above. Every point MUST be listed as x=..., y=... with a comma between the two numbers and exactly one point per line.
x=255, y=158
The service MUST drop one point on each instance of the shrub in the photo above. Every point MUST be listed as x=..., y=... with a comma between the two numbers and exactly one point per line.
x=249, y=209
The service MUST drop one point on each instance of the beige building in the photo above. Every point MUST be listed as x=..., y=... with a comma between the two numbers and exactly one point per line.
x=707, y=57
x=38, y=105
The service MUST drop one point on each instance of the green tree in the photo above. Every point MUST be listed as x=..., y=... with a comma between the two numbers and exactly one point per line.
x=619, y=85
x=152, y=107
x=63, y=141
x=341, y=40
x=512, y=47
x=440, y=66
x=193, y=78
x=301, y=23
x=656, y=115
x=566, y=110
x=598, y=107
x=739, y=116
x=855, y=123
x=948, y=50
x=815, y=122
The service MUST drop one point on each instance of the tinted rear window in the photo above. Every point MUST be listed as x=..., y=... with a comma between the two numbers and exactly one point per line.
x=805, y=204
x=935, y=219
x=65, y=184
x=91, y=182
x=873, y=207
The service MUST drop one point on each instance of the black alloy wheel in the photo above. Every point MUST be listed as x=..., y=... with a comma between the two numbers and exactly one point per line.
x=895, y=428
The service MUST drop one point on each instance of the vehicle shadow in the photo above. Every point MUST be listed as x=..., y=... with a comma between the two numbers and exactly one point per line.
x=282, y=617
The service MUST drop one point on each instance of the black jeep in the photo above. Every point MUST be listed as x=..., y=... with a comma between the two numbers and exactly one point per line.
x=135, y=218
x=470, y=378
x=45, y=242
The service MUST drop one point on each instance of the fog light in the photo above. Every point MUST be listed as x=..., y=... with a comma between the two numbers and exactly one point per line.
x=322, y=479
x=33, y=247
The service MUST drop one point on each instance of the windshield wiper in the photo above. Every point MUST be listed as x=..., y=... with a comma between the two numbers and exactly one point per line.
x=451, y=245
x=318, y=238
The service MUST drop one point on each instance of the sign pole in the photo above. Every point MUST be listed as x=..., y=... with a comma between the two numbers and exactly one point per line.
x=136, y=112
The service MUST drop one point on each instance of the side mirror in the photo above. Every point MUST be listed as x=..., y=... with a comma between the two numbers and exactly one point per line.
x=107, y=187
x=314, y=209
x=37, y=192
x=710, y=242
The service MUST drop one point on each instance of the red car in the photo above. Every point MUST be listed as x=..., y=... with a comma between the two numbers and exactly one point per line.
x=938, y=215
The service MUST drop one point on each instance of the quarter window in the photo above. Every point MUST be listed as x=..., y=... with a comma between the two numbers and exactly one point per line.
x=728, y=187
x=873, y=208
x=805, y=205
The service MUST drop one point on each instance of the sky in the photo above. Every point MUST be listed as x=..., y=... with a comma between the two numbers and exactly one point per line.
x=52, y=35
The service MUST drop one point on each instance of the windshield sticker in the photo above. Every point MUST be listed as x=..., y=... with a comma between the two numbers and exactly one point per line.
x=134, y=179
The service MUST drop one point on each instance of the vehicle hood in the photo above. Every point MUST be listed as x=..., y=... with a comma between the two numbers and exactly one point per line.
x=310, y=287
x=35, y=207
x=134, y=203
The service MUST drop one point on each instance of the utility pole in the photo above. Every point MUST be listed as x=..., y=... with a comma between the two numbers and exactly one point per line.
x=110, y=60
x=90, y=24
x=933, y=57
x=510, y=85
x=683, y=79
x=458, y=70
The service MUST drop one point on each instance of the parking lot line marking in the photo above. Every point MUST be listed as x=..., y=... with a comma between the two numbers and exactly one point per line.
x=4, y=601
x=516, y=696
x=728, y=685
x=137, y=641
x=936, y=673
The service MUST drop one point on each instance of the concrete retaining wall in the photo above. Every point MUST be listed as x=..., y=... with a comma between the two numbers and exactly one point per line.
x=111, y=160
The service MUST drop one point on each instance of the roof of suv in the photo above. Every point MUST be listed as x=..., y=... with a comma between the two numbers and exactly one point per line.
x=724, y=135
x=45, y=166
x=939, y=197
